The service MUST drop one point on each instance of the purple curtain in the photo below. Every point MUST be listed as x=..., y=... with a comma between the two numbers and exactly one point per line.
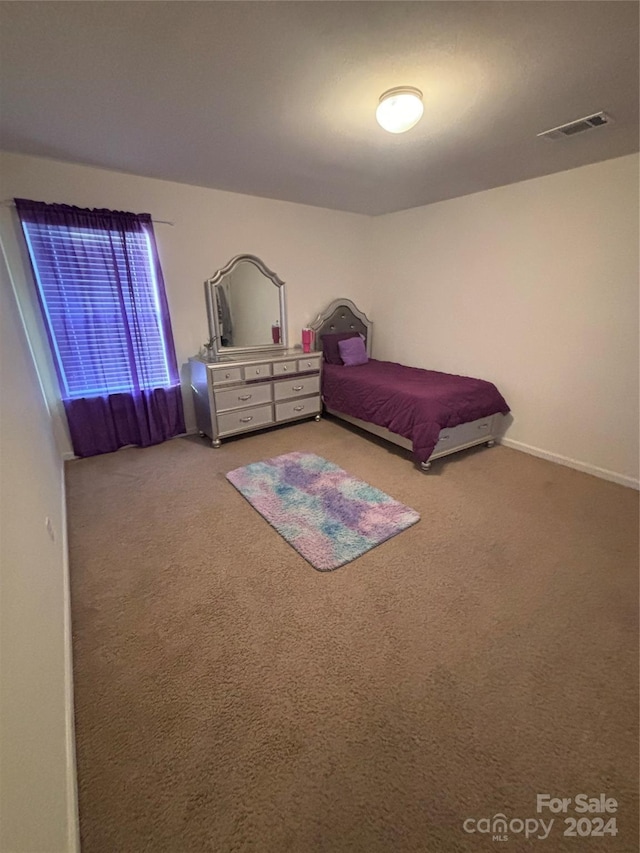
x=103, y=299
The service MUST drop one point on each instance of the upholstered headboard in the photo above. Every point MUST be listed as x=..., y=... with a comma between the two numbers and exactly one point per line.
x=342, y=316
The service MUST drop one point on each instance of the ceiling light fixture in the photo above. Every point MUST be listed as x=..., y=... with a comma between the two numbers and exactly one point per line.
x=400, y=109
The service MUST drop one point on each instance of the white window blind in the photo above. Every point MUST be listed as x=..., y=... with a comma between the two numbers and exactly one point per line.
x=100, y=299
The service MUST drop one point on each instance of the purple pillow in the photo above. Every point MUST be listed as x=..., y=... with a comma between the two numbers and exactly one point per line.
x=353, y=352
x=330, y=345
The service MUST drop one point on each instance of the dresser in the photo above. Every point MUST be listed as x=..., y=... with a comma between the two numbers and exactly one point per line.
x=237, y=395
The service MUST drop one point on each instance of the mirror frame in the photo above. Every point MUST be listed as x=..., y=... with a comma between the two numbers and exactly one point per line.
x=212, y=315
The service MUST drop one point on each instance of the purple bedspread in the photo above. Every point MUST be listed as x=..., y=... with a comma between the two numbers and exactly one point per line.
x=409, y=401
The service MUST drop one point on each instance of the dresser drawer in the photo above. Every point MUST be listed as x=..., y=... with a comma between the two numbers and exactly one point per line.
x=307, y=364
x=246, y=395
x=244, y=419
x=300, y=387
x=472, y=431
x=257, y=371
x=226, y=374
x=297, y=408
x=281, y=368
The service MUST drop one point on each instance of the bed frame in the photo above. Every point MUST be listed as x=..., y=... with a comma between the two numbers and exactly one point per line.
x=343, y=316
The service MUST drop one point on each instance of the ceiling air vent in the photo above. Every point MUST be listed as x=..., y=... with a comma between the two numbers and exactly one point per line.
x=578, y=126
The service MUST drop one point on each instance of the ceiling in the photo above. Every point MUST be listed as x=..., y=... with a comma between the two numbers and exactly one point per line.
x=277, y=99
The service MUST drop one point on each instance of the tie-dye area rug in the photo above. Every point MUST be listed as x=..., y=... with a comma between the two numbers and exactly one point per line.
x=327, y=515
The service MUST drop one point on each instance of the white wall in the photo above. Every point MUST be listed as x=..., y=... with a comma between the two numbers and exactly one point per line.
x=535, y=287
x=318, y=253
x=37, y=774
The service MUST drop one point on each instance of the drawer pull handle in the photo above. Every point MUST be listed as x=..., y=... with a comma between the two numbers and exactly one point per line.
x=298, y=408
x=483, y=426
x=246, y=420
x=227, y=375
x=444, y=438
x=285, y=368
x=246, y=397
x=258, y=370
x=297, y=387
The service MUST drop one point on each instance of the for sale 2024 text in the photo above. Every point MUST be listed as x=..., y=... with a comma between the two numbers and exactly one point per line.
x=593, y=813
x=592, y=817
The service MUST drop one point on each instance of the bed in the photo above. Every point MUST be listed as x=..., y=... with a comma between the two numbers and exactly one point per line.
x=433, y=414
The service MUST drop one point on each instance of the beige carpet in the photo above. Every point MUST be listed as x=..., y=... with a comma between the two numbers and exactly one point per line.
x=231, y=698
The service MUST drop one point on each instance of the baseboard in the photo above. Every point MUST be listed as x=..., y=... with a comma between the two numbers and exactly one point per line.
x=73, y=818
x=585, y=467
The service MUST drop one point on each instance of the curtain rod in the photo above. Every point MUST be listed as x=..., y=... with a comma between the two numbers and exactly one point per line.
x=9, y=202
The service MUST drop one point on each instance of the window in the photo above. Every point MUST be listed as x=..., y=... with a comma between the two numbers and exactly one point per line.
x=93, y=323
x=102, y=296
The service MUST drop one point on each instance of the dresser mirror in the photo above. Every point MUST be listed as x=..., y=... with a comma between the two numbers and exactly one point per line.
x=246, y=308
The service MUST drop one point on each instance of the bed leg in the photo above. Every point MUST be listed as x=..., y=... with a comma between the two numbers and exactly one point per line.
x=425, y=466
x=216, y=443
x=490, y=443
